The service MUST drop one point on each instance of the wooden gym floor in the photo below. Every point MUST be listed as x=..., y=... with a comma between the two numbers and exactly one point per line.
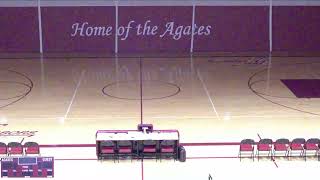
x=208, y=99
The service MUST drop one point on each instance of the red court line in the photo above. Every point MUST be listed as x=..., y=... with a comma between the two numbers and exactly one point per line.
x=211, y=144
x=80, y=159
x=142, y=168
x=199, y=157
x=66, y=145
x=214, y=157
x=183, y=144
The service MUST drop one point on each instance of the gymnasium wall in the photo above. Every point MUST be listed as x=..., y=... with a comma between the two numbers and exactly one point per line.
x=19, y=29
x=146, y=26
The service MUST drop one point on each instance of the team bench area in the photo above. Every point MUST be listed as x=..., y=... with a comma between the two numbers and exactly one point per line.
x=143, y=143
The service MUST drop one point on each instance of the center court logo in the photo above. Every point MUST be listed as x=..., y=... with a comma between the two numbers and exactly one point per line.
x=171, y=29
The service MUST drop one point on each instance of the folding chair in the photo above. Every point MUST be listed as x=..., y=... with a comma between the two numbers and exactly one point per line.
x=247, y=147
x=312, y=145
x=149, y=148
x=281, y=145
x=297, y=145
x=31, y=148
x=264, y=145
x=125, y=149
x=3, y=149
x=168, y=148
x=107, y=149
x=15, y=148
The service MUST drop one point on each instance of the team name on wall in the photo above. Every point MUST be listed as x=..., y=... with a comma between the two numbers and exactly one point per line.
x=85, y=29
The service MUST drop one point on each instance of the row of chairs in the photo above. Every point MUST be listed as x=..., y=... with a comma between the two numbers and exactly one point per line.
x=16, y=148
x=286, y=148
x=135, y=149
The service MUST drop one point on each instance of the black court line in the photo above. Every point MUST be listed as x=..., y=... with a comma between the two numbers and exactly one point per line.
x=251, y=82
x=17, y=98
x=274, y=162
x=141, y=94
x=259, y=136
x=105, y=90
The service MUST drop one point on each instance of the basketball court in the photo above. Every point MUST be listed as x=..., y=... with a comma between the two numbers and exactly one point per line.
x=218, y=72
x=67, y=100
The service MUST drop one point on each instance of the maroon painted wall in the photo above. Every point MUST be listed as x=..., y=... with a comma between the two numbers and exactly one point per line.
x=19, y=29
x=148, y=29
x=78, y=29
x=233, y=28
x=296, y=28
x=168, y=22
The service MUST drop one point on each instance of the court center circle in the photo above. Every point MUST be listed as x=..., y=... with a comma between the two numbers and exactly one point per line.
x=151, y=90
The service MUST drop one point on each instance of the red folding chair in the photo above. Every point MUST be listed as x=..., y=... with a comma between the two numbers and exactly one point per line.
x=149, y=149
x=125, y=149
x=107, y=150
x=3, y=149
x=246, y=148
x=311, y=147
x=31, y=148
x=168, y=148
x=15, y=148
x=297, y=147
x=264, y=146
x=281, y=145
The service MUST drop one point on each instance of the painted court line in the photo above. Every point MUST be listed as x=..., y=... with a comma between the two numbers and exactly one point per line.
x=274, y=162
x=214, y=157
x=74, y=94
x=142, y=167
x=142, y=173
x=183, y=144
x=208, y=94
x=259, y=136
x=90, y=117
x=79, y=159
